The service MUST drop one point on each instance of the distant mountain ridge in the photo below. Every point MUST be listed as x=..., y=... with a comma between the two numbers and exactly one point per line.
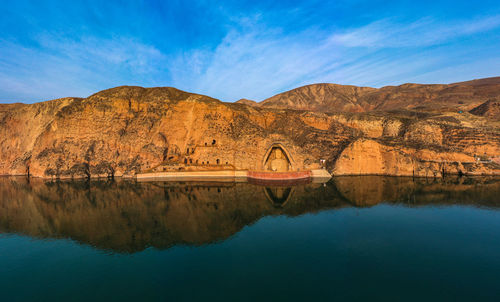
x=246, y=102
x=347, y=98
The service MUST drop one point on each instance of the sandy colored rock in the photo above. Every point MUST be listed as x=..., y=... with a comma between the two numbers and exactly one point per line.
x=126, y=130
x=366, y=156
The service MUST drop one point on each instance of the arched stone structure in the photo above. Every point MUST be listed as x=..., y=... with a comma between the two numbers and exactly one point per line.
x=277, y=159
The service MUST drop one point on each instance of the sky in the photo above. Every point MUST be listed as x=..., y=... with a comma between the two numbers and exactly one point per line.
x=240, y=49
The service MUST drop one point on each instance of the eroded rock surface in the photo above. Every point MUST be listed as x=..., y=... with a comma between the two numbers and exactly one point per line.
x=129, y=130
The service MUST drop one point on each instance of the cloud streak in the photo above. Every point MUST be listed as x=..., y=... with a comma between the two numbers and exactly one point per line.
x=257, y=62
x=423, y=32
x=75, y=67
x=235, y=51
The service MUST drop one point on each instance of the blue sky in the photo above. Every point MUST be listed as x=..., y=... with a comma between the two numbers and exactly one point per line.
x=240, y=49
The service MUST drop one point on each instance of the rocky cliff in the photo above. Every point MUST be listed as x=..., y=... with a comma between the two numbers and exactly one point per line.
x=129, y=130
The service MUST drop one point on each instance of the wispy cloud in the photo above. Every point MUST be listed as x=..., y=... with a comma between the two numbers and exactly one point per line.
x=423, y=32
x=256, y=62
x=231, y=53
x=75, y=67
x=124, y=52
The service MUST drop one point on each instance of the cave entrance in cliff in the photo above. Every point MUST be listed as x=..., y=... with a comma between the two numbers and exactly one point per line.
x=277, y=159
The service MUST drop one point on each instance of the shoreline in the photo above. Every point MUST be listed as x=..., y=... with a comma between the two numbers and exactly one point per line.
x=316, y=176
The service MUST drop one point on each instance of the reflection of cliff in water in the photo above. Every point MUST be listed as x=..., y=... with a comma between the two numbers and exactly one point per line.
x=127, y=216
x=362, y=191
x=278, y=196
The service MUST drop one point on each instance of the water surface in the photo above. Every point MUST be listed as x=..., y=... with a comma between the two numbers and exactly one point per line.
x=354, y=238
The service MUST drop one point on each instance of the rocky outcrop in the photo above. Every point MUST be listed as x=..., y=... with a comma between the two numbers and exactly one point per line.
x=127, y=130
x=366, y=156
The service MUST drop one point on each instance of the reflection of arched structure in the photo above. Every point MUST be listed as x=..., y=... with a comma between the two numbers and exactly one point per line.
x=278, y=196
x=277, y=159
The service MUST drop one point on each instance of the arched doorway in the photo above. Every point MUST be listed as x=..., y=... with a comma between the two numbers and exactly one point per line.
x=277, y=159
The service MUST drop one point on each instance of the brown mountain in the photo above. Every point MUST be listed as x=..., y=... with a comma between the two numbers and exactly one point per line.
x=322, y=97
x=480, y=82
x=341, y=98
x=246, y=102
x=131, y=130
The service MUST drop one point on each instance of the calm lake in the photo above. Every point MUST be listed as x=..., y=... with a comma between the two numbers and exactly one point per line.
x=353, y=238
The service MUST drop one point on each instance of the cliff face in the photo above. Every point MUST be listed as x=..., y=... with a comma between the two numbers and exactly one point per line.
x=367, y=156
x=129, y=130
